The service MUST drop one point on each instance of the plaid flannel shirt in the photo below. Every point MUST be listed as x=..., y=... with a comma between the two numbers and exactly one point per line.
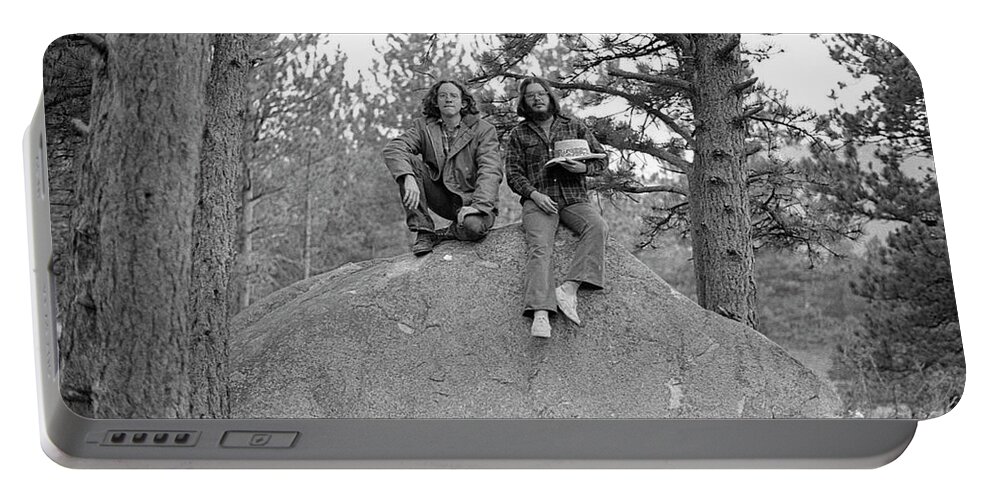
x=528, y=150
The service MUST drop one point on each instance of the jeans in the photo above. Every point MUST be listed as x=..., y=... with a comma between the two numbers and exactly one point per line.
x=539, y=233
x=438, y=198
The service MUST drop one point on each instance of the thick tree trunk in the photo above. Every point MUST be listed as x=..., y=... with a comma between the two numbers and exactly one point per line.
x=245, y=237
x=129, y=320
x=719, y=211
x=307, y=220
x=68, y=82
x=244, y=262
x=214, y=225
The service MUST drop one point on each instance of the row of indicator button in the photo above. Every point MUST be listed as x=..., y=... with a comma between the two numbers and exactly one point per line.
x=230, y=439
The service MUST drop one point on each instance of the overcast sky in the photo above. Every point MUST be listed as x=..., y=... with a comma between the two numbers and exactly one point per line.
x=804, y=69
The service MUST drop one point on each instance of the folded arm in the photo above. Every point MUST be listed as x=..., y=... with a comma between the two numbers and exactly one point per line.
x=398, y=151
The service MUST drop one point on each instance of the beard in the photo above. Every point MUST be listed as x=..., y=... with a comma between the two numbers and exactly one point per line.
x=538, y=116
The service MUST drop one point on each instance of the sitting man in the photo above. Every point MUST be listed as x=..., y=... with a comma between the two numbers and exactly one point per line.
x=448, y=161
x=554, y=191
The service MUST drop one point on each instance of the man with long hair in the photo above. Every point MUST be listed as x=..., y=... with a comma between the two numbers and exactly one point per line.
x=448, y=161
x=551, y=194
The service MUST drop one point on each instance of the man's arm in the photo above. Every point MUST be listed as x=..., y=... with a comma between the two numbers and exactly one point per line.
x=397, y=152
x=516, y=174
x=489, y=172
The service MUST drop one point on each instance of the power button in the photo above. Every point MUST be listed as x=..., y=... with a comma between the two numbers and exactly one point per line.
x=258, y=439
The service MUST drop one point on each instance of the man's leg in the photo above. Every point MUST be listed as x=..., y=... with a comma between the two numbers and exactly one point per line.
x=539, y=280
x=447, y=205
x=474, y=227
x=418, y=219
x=587, y=265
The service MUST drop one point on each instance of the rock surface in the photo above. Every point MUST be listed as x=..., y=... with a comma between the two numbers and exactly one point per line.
x=443, y=336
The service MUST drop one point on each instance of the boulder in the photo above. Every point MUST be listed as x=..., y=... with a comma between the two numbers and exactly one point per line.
x=443, y=336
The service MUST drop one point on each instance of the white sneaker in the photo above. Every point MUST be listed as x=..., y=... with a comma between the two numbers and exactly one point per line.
x=567, y=303
x=540, y=327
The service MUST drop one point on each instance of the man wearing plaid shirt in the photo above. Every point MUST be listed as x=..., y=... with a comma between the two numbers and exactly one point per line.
x=553, y=194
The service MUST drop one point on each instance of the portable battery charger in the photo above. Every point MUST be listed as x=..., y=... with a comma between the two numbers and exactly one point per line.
x=231, y=268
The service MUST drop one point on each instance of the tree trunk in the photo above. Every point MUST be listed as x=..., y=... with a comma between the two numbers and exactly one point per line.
x=245, y=228
x=244, y=263
x=68, y=82
x=719, y=211
x=214, y=225
x=133, y=228
x=307, y=219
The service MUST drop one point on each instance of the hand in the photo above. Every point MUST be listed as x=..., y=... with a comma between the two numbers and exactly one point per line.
x=411, y=193
x=466, y=211
x=576, y=167
x=545, y=203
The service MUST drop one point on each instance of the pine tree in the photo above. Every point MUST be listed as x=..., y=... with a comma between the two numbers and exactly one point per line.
x=907, y=355
x=214, y=223
x=695, y=91
x=125, y=348
x=68, y=82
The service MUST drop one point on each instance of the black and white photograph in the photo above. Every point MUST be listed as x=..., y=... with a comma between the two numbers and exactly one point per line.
x=536, y=226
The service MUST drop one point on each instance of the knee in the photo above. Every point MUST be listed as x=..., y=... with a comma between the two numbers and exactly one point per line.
x=540, y=247
x=474, y=227
x=597, y=228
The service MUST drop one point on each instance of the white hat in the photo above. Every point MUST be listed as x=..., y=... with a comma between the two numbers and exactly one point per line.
x=573, y=149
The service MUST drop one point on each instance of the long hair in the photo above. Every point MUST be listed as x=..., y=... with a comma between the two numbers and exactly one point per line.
x=430, y=102
x=522, y=107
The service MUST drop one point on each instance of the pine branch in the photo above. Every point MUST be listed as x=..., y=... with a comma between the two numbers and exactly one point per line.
x=262, y=194
x=753, y=147
x=649, y=149
x=638, y=188
x=666, y=81
x=817, y=140
x=740, y=88
x=724, y=53
x=660, y=224
x=520, y=48
x=636, y=100
x=675, y=127
x=683, y=41
x=752, y=110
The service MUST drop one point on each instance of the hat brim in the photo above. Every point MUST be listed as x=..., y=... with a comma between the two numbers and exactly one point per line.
x=588, y=156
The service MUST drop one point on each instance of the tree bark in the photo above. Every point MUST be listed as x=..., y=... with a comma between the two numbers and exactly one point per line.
x=246, y=224
x=132, y=232
x=68, y=82
x=244, y=261
x=719, y=212
x=307, y=219
x=214, y=225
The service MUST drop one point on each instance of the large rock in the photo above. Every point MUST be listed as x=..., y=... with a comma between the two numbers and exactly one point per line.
x=443, y=336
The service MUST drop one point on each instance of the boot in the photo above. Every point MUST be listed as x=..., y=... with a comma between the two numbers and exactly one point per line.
x=447, y=233
x=424, y=243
